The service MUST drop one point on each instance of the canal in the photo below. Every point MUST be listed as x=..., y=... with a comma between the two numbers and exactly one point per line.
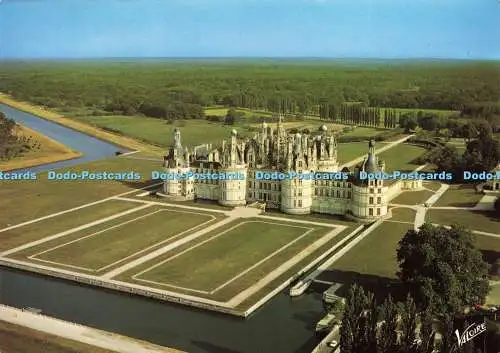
x=283, y=325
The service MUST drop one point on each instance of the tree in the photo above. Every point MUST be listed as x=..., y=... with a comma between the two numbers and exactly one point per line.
x=388, y=338
x=353, y=328
x=497, y=206
x=482, y=154
x=408, y=312
x=443, y=268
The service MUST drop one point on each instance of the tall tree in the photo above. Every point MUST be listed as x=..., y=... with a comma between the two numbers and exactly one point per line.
x=388, y=338
x=443, y=268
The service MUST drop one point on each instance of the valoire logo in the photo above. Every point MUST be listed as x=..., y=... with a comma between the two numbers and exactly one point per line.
x=470, y=332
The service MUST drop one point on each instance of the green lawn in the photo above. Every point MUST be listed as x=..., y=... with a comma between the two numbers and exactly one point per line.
x=349, y=151
x=212, y=264
x=459, y=196
x=412, y=197
x=401, y=156
x=27, y=200
x=222, y=111
x=376, y=254
x=475, y=220
x=123, y=238
x=402, y=214
x=38, y=230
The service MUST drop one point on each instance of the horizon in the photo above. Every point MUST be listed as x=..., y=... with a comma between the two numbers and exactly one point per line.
x=250, y=29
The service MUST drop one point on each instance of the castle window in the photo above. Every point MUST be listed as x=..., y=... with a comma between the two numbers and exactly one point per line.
x=372, y=190
x=249, y=184
x=379, y=200
x=349, y=194
x=300, y=203
x=300, y=164
x=370, y=211
x=338, y=193
x=260, y=184
x=379, y=191
x=371, y=200
x=315, y=192
x=349, y=185
x=378, y=211
x=300, y=192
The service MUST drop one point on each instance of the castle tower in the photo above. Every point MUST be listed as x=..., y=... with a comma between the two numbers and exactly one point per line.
x=176, y=164
x=232, y=189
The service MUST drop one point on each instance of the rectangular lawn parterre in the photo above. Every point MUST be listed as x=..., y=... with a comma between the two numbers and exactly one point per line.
x=230, y=258
x=98, y=249
x=412, y=197
x=47, y=227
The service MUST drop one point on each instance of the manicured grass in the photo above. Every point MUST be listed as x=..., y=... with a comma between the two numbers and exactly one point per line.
x=376, y=254
x=49, y=152
x=400, y=157
x=79, y=126
x=21, y=201
x=212, y=264
x=122, y=238
x=402, y=214
x=432, y=185
x=349, y=151
x=459, y=196
x=19, y=339
x=475, y=220
x=38, y=230
x=412, y=197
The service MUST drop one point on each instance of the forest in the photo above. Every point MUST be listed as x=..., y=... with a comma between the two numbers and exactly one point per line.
x=343, y=91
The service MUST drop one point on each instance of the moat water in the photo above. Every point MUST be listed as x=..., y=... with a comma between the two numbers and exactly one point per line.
x=283, y=325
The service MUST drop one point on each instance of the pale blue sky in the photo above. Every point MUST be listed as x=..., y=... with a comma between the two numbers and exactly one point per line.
x=250, y=28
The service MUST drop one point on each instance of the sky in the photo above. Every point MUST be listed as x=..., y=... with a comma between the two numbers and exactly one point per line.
x=459, y=29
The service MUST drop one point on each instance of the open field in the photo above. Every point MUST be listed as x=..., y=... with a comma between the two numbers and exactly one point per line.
x=19, y=339
x=376, y=254
x=412, y=197
x=46, y=196
x=463, y=195
x=159, y=132
x=475, y=220
x=401, y=157
x=439, y=112
x=49, y=152
x=364, y=131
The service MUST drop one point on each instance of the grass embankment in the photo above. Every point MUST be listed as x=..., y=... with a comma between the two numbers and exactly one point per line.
x=376, y=254
x=462, y=195
x=50, y=151
x=41, y=112
x=19, y=339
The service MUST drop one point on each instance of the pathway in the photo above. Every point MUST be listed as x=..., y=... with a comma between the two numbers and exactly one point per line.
x=80, y=333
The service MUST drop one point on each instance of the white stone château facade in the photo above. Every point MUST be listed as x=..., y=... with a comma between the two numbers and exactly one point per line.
x=273, y=150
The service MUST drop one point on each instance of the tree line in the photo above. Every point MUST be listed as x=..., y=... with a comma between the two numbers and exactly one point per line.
x=181, y=90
